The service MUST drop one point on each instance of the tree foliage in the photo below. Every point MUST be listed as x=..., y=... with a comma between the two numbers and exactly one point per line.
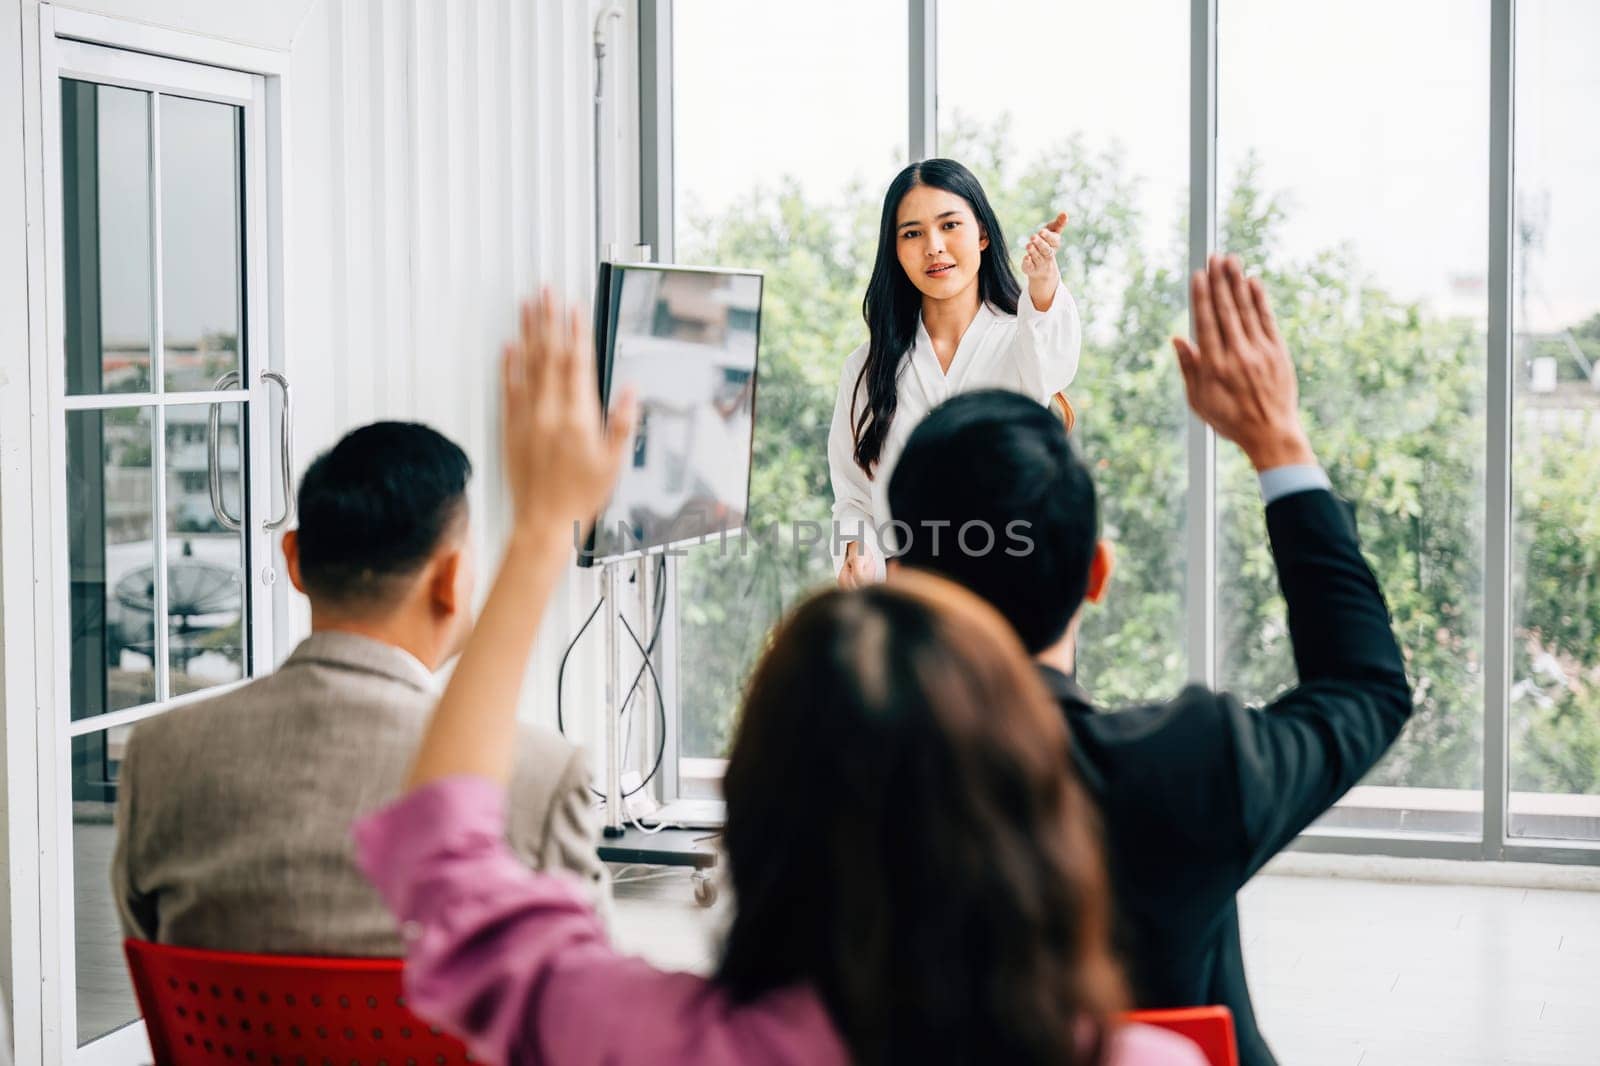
x=1394, y=397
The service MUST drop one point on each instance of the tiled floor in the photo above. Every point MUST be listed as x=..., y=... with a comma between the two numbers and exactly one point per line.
x=1360, y=973
x=105, y=995
x=1344, y=972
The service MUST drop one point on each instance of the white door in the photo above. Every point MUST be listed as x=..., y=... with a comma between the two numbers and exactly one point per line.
x=166, y=442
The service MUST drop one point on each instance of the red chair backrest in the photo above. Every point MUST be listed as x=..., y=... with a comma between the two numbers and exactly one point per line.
x=1211, y=1028
x=217, y=1007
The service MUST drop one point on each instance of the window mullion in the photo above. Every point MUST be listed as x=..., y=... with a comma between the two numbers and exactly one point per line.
x=922, y=54
x=1200, y=602
x=1498, y=503
x=158, y=450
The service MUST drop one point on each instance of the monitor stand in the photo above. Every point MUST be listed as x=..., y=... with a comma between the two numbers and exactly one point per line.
x=667, y=847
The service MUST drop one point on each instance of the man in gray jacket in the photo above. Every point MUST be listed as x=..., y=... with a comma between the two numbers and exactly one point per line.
x=234, y=813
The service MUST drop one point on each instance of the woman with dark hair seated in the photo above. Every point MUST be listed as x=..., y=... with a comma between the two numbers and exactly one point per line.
x=938, y=897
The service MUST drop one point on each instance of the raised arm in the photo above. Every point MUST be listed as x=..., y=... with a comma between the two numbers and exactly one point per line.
x=562, y=459
x=514, y=962
x=1299, y=755
x=1049, y=333
x=517, y=964
x=1237, y=372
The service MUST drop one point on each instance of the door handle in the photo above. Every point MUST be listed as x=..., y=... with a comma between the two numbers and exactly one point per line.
x=285, y=450
x=214, y=453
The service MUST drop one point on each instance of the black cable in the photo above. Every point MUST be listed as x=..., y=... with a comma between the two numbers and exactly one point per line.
x=646, y=651
x=661, y=712
x=561, y=671
x=658, y=609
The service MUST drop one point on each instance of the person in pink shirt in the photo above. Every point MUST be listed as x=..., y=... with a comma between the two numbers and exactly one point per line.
x=940, y=896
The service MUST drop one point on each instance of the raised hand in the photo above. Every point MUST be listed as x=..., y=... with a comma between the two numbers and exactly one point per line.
x=562, y=460
x=1237, y=371
x=1039, y=261
x=562, y=457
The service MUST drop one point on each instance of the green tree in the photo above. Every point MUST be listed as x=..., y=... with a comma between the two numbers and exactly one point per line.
x=1555, y=732
x=1394, y=397
x=816, y=257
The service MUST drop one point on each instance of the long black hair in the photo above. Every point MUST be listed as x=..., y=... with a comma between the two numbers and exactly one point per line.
x=892, y=303
x=978, y=928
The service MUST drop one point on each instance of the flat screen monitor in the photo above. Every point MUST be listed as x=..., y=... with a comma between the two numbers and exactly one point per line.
x=688, y=340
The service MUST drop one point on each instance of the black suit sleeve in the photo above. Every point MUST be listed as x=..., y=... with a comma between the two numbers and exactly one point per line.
x=1299, y=754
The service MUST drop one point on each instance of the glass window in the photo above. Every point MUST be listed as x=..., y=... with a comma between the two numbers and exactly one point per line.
x=1107, y=142
x=1555, y=694
x=112, y=554
x=1353, y=174
x=111, y=559
x=156, y=489
x=205, y=559
x=766, y=179
x=105, y=163
x=105, y=994
x=201, y=246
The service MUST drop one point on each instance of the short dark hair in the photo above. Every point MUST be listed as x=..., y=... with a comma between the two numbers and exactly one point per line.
x=374, y=507
x=1000, y=458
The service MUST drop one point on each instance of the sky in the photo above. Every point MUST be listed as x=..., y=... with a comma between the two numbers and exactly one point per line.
x=1370, y=117
x=199, y=201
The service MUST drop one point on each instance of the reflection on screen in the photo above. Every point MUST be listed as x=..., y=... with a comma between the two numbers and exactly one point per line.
x=686, y=341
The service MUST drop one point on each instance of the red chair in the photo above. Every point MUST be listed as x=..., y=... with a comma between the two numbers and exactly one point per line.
x=1211, y=1028
x=210, y=1007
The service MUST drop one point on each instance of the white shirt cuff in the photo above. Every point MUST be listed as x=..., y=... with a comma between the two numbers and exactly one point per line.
x=1283, y=481
x=1025, y=308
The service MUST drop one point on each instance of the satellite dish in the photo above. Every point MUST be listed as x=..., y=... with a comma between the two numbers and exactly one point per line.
x=193, y=588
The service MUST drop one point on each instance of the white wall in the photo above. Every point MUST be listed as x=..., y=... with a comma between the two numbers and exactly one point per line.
x=441, y=155
x=438, y=158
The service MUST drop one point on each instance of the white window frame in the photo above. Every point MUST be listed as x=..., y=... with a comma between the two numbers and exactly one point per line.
x=656, y=200
x=71, y=43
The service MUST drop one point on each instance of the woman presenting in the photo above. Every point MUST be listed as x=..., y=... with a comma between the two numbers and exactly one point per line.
x=945, y=315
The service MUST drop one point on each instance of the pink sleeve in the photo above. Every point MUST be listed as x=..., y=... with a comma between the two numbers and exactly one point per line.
x=1145, y=1045
x=517, y=965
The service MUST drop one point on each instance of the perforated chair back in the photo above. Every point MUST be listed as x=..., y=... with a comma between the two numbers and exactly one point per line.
x=205, y=1008
x=1211, y=1029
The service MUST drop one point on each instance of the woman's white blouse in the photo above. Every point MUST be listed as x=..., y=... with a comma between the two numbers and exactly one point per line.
x=1032, y=352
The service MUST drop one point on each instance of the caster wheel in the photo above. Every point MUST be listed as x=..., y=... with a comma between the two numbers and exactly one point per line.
x=705, y=890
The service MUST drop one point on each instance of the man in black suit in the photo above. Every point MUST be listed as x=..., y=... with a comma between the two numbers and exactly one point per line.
x=1197, y=793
